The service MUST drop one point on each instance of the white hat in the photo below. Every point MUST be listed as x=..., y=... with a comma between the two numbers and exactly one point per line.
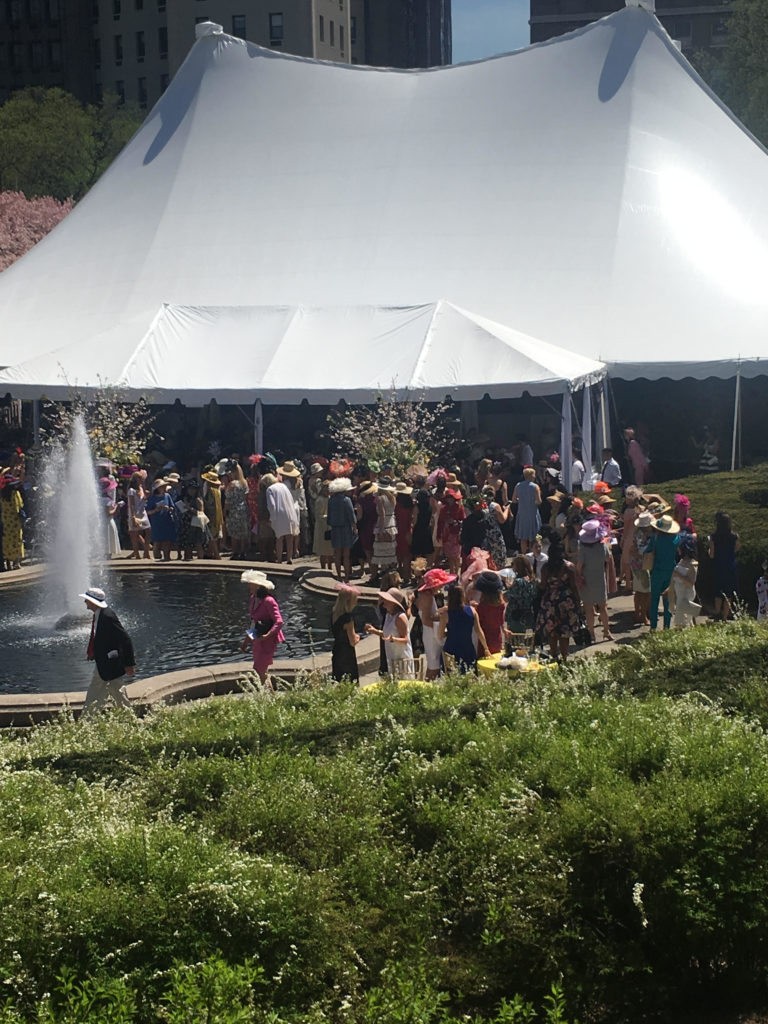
x=95, y=595
x=340, y=485
x=258, y=577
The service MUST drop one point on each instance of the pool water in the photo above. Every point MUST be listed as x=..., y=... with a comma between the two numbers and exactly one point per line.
x=175, y=620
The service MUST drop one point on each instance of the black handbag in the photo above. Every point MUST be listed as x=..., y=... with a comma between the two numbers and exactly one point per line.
x=582, y=636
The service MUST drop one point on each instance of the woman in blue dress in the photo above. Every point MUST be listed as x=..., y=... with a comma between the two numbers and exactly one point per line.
x=162, y=520
x=457, y=628
x=342, y=523
x=527, y=497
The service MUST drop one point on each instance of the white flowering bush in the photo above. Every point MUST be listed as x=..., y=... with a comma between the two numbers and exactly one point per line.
x=117, y=429
x=395, y=431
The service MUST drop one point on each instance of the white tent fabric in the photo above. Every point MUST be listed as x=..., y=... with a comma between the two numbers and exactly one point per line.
x=590, y=191
x=286, y=354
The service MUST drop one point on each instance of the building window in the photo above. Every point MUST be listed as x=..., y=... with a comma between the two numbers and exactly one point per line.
x=352, y=30
x=36, y=56
x=118, y=50
x=54, y=54
x=96, y=52
x=321, y=29
x=120, y=91
x=164, y=81
x=332, y=38
x=341, y=39
x=141, y=89
x=141, y=49
x=52, y=11
x=276, y=29
x=116, y=9
x=238, y=25
x=162, y=41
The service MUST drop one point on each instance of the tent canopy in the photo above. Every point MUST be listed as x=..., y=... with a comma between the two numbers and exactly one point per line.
x=589, y=191
x=284, y=354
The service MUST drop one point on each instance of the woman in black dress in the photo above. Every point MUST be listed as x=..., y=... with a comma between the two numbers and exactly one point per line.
x=421, y=542
x=345, y=639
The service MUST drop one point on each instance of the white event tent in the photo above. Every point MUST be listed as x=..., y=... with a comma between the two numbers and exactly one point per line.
x=589, y=191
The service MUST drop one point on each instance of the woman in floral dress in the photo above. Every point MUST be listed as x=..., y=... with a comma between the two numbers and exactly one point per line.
x=559, y=613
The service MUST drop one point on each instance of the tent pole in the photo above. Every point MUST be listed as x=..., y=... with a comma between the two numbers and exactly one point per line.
x=736, y=415
x=36, y=423
x=566, y=444
x=258, y=427
x=586, y=438
x=603, y=418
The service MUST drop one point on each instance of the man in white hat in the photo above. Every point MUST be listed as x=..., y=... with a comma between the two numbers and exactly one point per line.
x=111, y=649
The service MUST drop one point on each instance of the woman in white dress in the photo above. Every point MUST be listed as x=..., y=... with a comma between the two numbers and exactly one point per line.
x=111, y=510
x=284, y=519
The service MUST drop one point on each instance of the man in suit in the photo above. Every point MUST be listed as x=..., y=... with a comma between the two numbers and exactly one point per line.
x=111, y=649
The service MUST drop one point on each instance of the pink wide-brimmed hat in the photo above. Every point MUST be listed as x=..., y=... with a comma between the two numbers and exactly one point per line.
x=434, y=579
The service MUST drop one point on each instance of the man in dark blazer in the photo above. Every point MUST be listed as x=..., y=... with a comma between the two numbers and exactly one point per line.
x=111, y=649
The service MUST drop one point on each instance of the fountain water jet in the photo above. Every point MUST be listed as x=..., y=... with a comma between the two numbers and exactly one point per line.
x=74, y=537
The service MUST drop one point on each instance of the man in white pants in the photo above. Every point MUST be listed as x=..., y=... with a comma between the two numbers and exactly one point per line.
x=111, y=649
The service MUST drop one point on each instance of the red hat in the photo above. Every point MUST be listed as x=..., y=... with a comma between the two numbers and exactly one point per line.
x=601, y=487
x=436, y=578
x=451, y=493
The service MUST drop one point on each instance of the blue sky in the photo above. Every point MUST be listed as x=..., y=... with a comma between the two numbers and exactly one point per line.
x=482, y=28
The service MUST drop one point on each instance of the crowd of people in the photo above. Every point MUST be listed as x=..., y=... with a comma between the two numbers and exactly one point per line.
x=466, y=559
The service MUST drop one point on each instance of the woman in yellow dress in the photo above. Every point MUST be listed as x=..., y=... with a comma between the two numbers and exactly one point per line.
x=11, y=507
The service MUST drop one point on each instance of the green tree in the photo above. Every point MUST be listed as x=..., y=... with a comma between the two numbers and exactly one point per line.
x=51, y=145
x=740, y=76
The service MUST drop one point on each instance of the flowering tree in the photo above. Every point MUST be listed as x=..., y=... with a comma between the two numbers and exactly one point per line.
x=23, y=222
x=118, y=430
x=394, y=431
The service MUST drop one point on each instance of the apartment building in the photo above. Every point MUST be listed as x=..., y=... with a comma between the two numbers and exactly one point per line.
x=134, y=47
x=696, y=25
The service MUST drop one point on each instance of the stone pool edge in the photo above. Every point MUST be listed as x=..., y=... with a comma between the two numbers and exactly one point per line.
x=19, y=710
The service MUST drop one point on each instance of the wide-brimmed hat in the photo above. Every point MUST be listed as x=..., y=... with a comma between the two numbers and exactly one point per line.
x=268, y=480
x=488, y=582
x=434, y=579
x=289, y=469
x=173, y=478
x=368, y=487
x=340, y=485
x=211, y=478
x=395, y=596
x=387, y=484
x=451, y=478
x=160, y=482
x=258, y=577
x=605, y=499
x=666, y=524
x=108, y=484
x=644, y=521
x=590, y=532
x=402, y=487
x=594, y=509
x=315, y=468
x=96, y=596
x=450, y=492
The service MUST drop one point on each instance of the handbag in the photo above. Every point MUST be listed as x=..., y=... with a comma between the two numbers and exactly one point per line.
x=327, y=535
x=582, y=636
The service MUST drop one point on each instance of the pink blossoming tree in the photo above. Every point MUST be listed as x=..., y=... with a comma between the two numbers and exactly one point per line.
x=23, y=222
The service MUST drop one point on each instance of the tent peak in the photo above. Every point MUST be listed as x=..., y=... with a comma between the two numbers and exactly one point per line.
x=647, y=5
x=208, y=28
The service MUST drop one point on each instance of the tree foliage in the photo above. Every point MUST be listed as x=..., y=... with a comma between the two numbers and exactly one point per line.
x=117, y=430
x=23, y=222
x=51, y=145
x=394, y=431
x=740, y=75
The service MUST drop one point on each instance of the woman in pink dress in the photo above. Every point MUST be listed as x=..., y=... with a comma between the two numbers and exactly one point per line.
x=266, y=623
x=637, y=457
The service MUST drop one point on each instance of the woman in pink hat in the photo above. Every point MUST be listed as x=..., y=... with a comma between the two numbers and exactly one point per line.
x=426, y=602
x=111, y=510
x=590, y=572
x=138, y=520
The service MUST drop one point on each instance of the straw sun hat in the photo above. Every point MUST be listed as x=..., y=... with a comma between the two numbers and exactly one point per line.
x=666, y=524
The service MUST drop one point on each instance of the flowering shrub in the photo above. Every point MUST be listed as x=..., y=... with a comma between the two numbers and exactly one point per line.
x=117, y=430
x=398, y=432
x=431, y=855
x=23, y=222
